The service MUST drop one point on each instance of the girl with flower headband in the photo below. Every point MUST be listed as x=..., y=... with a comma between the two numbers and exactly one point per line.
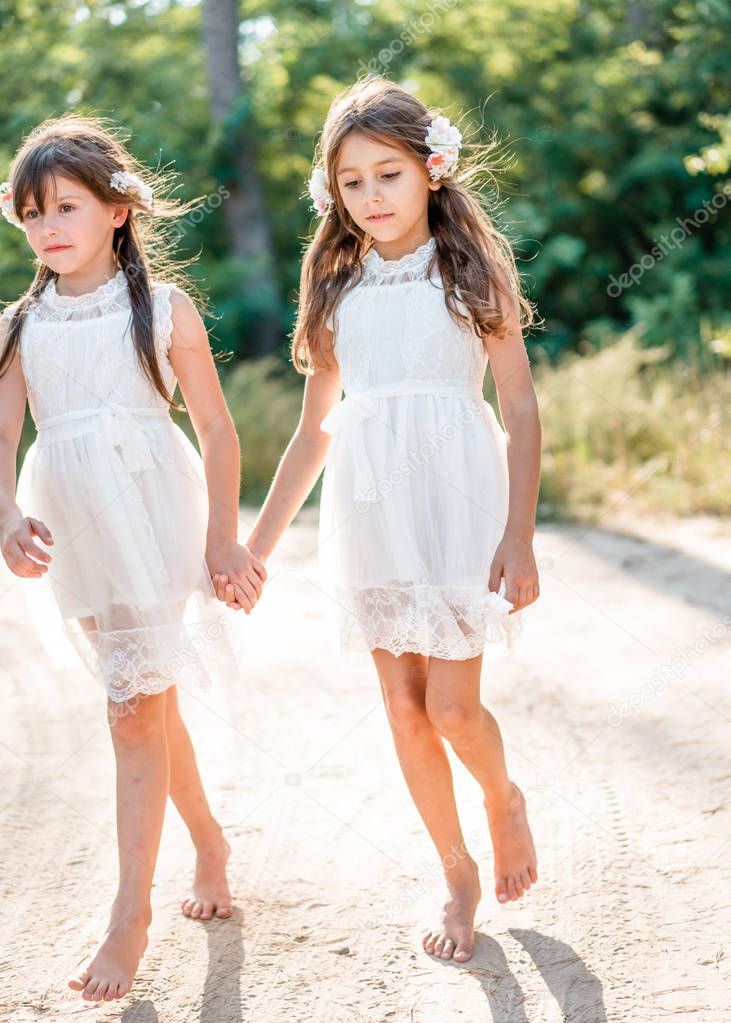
x=135, y=521
x=427, y=512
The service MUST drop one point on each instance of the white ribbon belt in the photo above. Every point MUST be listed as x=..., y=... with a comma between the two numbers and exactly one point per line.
x=119, y=428
x=362, y=404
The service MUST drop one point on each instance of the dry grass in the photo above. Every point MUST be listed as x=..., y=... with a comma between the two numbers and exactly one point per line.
x=620, y=426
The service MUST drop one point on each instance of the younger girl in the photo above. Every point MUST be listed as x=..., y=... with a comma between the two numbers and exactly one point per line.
x=428, y=509
x=96, y=345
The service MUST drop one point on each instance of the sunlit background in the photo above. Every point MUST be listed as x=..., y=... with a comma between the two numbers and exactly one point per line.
x=616, y=127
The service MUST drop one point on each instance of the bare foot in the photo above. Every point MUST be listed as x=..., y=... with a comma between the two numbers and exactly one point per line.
x=110, y=973
x=211, y=893
x=515, y=854
x=454, y=935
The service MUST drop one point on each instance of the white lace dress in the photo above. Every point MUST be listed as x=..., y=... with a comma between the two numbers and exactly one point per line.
x=415, y=491
x=123, y=492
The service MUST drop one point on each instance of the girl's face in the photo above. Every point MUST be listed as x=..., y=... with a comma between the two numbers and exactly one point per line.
x=76, y=229
x=385, y=190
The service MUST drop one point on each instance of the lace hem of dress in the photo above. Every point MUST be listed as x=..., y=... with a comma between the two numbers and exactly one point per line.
x=413, y=266
x=148, y=660
x=452, y=623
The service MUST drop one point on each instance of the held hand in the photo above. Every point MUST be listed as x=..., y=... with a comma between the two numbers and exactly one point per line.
x=225, y=592
x=244, y=575
x=22, y=555
x=515, y=560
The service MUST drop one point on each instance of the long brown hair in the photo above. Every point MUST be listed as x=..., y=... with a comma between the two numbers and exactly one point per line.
x=472, y=254
x=90, y=150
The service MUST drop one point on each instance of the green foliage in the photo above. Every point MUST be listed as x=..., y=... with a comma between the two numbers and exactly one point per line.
x=616, y=116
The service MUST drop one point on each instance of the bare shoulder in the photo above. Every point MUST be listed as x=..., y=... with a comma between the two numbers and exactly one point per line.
x=188, y=329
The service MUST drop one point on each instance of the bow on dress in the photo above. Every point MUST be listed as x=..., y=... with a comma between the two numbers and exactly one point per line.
x=120, y=428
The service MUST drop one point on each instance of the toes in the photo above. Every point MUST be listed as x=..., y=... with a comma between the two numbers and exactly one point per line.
x=101, y=991
x=462, y=953
x=448, y=949
x=123, y=988
x=525, y=880
x=512, y=888
x=79, y=982
x=207, y=911
x=533, y=874
x=196, y=910
x=224, y=910
x=501, y=890
x=439, y=947
x=429, y=944
x=88, y=993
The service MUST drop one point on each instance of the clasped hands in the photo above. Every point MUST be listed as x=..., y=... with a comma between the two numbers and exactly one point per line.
x=238, y=576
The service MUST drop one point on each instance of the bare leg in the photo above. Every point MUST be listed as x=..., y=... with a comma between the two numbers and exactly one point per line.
x=428, y=775
x=210, y=888
x=453, y=705
x=140, y=748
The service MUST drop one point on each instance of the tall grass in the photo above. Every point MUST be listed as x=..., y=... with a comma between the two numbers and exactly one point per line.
x=623, y=427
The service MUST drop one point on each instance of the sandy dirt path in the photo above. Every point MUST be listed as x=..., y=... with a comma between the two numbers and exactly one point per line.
x=616, y=714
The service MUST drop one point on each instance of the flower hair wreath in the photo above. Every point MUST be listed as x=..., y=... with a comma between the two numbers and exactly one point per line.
x=444, y=141
x=128, y=184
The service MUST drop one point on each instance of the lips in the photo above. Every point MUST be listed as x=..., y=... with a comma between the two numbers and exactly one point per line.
x=380, y=216
x=57, y=248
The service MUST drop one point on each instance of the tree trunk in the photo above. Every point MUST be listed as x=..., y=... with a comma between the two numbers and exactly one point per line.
x=245, y=212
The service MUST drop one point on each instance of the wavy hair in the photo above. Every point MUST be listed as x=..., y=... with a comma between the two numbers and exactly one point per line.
x=474, y=258
x=89, y=150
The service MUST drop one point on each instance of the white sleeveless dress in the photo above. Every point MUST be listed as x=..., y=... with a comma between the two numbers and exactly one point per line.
x=414, y=496
x=123, y=492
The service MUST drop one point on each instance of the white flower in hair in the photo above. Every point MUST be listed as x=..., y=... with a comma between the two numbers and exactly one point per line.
x=6, y=205
x=445, y=141
x=319, y=194
x=133, y=187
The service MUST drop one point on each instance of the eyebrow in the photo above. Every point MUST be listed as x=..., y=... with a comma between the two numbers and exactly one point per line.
x=389, y=159
x=59, y=198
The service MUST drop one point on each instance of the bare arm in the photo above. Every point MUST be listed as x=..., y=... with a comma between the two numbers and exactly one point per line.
x=191, y=358
x=519, y=411
x=22, y=555
x=301, y=464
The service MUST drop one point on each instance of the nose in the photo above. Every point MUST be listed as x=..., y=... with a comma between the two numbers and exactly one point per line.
x=371, y=192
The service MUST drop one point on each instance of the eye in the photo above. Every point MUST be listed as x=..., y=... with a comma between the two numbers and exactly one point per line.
x=393, y=174
x=67, y=206
x=350, y=184
x=28, y=215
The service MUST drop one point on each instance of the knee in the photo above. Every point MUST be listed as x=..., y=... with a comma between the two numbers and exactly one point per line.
x=455, y=723
x=137, y=722
x=406, y=713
